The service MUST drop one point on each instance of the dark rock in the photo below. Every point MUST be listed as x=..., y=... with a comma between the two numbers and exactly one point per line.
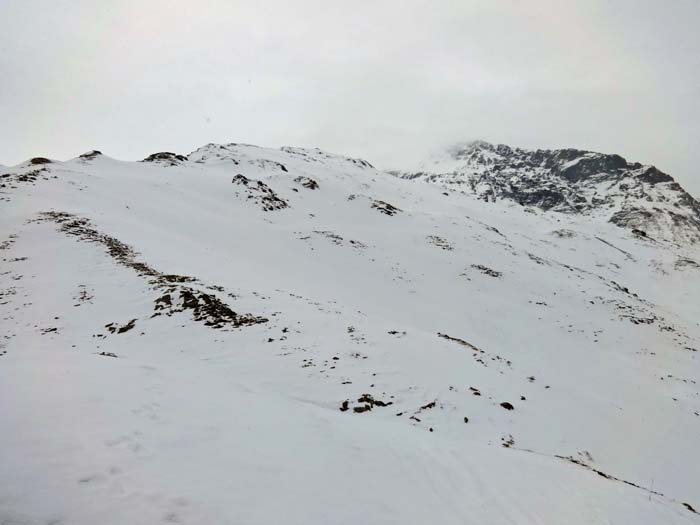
x=165, y=158
x=307, y=182
x=385, y=208
x=487, y=271
x=684, y=262
x=90, y=155
x=653, y=176
x=260, y=192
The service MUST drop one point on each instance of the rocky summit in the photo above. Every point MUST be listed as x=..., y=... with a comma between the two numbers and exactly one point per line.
x=604, y=186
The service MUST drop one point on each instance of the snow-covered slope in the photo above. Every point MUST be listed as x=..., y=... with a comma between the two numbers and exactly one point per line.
x=253, y=335
x=601, y=186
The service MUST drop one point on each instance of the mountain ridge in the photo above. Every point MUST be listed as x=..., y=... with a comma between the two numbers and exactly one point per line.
x=629, y=194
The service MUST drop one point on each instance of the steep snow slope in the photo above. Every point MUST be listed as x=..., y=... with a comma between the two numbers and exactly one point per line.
x=250, y=335
x=602, y=186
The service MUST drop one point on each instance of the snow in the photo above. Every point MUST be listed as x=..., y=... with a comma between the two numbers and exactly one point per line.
x=193, y=424
x=572, y=163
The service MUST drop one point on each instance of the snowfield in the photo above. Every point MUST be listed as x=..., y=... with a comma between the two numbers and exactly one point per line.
x=257, y=336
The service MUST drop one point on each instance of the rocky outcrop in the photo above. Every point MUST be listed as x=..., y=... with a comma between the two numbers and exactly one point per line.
x=90, y=155
x=607, y=186
x=260, y=193
x=165, y=158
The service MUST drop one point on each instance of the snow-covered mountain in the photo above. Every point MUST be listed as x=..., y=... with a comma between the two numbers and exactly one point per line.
x=628, y=194
x=255, y=335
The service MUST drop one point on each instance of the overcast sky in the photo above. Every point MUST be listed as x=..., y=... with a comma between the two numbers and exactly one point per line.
x=389, y=81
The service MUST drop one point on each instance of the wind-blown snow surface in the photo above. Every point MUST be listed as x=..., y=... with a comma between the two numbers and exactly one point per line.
x=174, y=352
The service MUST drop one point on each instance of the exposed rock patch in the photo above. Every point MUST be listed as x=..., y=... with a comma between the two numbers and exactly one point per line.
x=365, y=403
x=204, y=306
x=260, y=193
x=23, y=177
x=336, y=239
x=683, y=263
x=564, y=234
x=115, y=328
x=385, y=208
x=165, y=158
x=487, y=271
x=307, y=182
x=439, y=242
x=90, y=155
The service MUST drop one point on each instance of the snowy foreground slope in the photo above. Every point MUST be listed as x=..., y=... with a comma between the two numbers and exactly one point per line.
x=249, y=335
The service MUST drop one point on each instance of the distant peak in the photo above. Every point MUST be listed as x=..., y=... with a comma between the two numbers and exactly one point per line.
x=569, y=180
x=459, y=148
